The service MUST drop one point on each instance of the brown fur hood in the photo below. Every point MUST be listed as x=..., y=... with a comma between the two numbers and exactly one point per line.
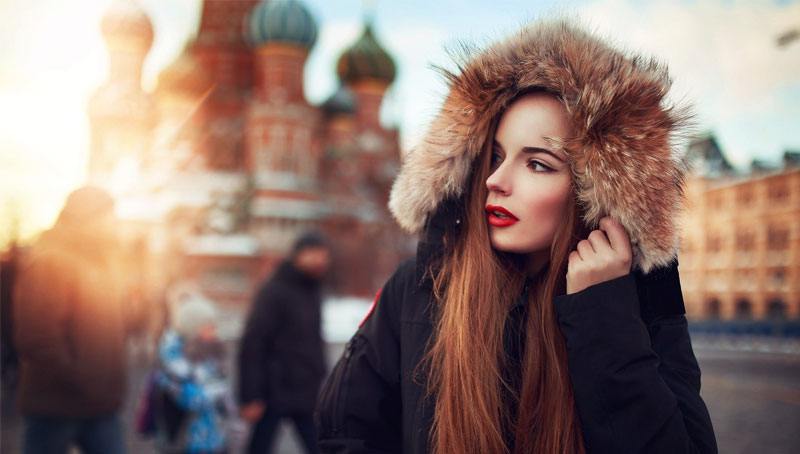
x=624, y=156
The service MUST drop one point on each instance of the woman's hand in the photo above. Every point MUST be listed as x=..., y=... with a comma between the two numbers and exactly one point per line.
x=604, y=256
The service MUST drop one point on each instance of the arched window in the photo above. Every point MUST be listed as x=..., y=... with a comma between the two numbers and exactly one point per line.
x=776, y=309
x=713, y=308
x=743, y=309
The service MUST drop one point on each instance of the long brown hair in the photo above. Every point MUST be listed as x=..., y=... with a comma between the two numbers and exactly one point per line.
x=474, y=288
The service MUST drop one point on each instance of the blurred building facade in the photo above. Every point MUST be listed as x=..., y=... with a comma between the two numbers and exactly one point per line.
x=740, y=251
x=225, y=162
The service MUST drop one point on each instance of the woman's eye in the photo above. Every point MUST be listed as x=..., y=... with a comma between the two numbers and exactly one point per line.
x=533, y=164
x=495, y=158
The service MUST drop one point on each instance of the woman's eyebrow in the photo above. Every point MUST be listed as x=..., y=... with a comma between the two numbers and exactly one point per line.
x=533, y=150
x=541, y=150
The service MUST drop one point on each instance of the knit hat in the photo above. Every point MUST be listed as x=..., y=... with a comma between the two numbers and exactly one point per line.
x=190, y=311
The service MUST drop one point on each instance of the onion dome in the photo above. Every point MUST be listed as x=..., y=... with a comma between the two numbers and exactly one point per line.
x=341, y=102
x=185, y=75
x=285, y=21
x=366, y=59
x=126, y=25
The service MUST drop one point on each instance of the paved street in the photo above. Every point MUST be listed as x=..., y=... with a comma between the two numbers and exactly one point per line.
x=753, y=396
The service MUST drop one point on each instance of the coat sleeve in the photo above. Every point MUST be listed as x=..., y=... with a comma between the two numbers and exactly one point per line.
x=43, y=302
x=256, y=345
x=359, y=407
x=636, y=381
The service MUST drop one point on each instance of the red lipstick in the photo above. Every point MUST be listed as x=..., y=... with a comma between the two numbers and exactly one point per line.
x=499, y=216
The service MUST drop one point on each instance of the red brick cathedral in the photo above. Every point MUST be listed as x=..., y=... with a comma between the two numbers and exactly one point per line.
x=225, y=162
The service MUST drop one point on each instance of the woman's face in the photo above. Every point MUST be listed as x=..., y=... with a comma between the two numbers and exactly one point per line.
x=530, y=182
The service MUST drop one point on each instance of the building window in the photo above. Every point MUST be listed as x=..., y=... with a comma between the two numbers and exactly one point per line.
x=745, y=241
x=713, y=309
x=777, y=238
x=743, y=309
x=776, y=309
x=713, y=243
x=779, y=276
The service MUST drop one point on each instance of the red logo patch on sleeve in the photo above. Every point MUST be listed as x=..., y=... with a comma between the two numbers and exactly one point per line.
x=371, y=308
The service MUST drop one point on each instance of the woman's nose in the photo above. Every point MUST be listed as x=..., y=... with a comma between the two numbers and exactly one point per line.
x=497, y=181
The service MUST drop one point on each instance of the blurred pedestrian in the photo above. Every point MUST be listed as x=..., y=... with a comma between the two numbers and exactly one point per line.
x=281, y=358
x=71, y=325
x=192, y=395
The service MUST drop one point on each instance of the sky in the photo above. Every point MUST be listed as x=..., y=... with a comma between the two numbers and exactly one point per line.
x=722, y=55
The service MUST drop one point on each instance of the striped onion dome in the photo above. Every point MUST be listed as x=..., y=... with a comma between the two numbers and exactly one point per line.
x=126, y=22
x=285, y=21
x=366, y=59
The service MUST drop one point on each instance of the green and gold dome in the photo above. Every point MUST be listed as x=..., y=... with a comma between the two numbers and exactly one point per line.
x=366, y=59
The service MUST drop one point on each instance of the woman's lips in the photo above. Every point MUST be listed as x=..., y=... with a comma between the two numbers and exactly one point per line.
x=499, y=216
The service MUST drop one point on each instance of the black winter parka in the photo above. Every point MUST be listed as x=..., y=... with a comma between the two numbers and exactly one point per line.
x=634, y=374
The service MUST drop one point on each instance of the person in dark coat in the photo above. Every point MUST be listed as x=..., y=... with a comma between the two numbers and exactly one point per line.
x=281, y=358
x=543, y=311
x=73, y=317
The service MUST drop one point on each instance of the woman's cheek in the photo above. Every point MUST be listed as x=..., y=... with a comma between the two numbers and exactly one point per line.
x=548, y=206
x=548, y=210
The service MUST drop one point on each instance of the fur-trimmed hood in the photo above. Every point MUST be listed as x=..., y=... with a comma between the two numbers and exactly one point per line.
x=624, y=157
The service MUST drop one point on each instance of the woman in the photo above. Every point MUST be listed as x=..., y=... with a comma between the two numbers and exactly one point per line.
x=543, y=311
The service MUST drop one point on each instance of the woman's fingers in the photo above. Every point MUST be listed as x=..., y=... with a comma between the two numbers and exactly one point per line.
x=585, y=250
x=595, y=246
x=617, y=236
x=605, y=255
x=600, y=242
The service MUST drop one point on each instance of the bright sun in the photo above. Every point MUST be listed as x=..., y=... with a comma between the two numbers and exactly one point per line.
x=56, y=60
